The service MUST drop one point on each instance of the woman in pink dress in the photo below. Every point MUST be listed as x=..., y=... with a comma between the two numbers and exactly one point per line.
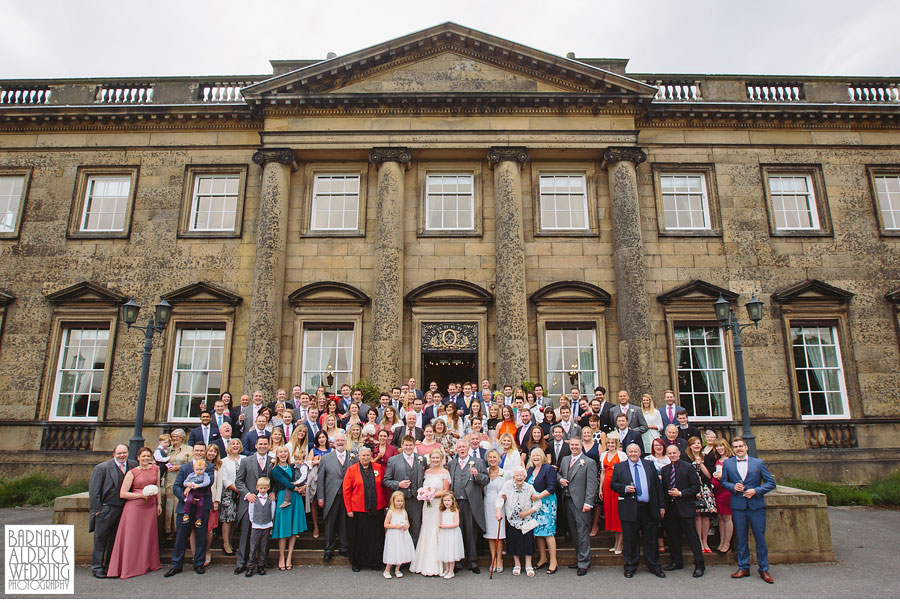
x=136, y=550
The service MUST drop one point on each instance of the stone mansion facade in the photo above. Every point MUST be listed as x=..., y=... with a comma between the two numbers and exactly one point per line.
x=450, y=205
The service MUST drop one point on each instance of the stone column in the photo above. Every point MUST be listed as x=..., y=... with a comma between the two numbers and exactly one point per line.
x=632, y=298
x=387, y=303
x=264, y=329
x=511, y=301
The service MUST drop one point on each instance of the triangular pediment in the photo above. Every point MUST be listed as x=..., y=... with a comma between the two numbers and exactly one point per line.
x=85, y=293
x=696, y=291
x=202, y=293
x=449, y=291
x=570, y=292
x=812, y=291
x=446, y=59
x=328, y=293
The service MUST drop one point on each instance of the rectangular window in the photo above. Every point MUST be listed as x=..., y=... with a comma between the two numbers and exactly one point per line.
x=11, y=194
x=79, y=374
x=571, y=358
x=450, y=202
x=335, y=204
x=887, y=195
x=197, y=372
x=685, y=201
x=702, y=378
x=215, y=201
x=793, y=202
x=105, y=203
x=819, y=371
x=327, y=350
x=563, y=200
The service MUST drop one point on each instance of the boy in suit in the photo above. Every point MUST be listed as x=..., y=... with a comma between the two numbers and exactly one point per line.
x=248, y=473
x=748, y=479
x=261, y=512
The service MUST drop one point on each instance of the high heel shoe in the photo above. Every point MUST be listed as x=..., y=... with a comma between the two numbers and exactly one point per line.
x=541, y=565
x=552, y=571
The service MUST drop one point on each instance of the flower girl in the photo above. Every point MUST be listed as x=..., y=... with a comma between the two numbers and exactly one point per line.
x=398, y=544
x=450, y=542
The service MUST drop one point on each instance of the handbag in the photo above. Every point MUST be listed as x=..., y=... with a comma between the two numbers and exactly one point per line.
x=707, y=502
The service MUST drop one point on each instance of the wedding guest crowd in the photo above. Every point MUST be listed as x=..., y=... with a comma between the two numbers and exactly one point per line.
x=418, y=481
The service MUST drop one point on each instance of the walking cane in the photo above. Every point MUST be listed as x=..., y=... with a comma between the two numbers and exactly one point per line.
x=499, y=550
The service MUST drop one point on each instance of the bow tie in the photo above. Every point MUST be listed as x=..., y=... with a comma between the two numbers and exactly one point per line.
x=742, y=460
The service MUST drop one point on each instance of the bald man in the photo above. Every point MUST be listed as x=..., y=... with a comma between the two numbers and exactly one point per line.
x=106, y=506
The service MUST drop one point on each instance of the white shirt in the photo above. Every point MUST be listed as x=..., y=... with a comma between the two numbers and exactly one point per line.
x=743, y=466
x=263, y=501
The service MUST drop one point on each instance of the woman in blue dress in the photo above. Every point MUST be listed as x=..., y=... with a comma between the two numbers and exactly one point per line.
x=542, y=476
x=289, y=520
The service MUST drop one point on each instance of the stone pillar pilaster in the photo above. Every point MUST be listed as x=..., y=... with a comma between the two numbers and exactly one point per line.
x=387, y=303
x=632, y=298
x=264, y=329
x=511, y=301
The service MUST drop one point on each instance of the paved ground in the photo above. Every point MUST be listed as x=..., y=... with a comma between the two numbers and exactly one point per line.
x=866, y=544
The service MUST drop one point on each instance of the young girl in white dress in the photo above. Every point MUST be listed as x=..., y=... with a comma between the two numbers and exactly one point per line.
x=398, y=544
x=450, y=542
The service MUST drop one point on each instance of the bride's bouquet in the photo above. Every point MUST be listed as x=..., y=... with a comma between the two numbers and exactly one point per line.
x=426, y=494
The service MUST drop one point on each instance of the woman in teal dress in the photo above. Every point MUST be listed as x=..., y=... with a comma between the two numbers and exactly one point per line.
x=542, y=476
x=289, y=520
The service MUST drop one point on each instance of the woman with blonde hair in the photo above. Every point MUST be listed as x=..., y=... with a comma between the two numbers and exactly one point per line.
x=653, y=418
x=355, y=438
x=510, y=457
x=299, y=441
x=179, y=453
x=390, y=419
x=331, y=427
x=610, y=498
x=562, y=400
x=495, y=530
x=229, y=502
x=543, y=477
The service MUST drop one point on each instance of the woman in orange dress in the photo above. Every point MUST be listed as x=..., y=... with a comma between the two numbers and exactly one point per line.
x=608, y=460
x=507, y=422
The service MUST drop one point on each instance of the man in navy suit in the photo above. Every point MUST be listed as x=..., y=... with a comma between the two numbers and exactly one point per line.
x=206, y=433
x=411, y=384
x=224, y=438
x=184, y=528
x=250, y=438
x=669, y=410
x=748, y=480
x=641, y=506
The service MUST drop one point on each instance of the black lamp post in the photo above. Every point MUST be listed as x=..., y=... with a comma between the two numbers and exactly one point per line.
x=156, y=324
x=729, y=322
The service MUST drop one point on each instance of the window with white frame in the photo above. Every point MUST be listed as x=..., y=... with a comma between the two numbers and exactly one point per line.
x=887, y=193
x=79, y=375
x=571, y=357
x=819, y=371
x=105, y=203
x=685, y=201
x=702, y=378
x=793, y=202
x=197, y=371
x=563, y=202
x=326, y=351
x=335, y=204
x=450, y=202
x=214, y=202
x=11, y=188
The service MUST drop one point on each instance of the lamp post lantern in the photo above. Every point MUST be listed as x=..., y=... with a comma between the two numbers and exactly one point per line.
x=729, y=322
x=155, y=324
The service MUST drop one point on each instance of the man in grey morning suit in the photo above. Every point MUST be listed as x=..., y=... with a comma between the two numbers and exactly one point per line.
x=106, y=506
x=467, y=476
x=406, y=472
x=249, y=471
x=330, y=494
x=578, y=478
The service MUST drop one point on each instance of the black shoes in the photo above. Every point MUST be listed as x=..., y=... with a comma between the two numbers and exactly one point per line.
x=658, y=573
x=673, y=566
x=475, y=570
x=328, y=556
x=172, y=571
x=629, y=574
x=573, y=566
x=249, y=573
x=199, y=570
x=581, y=571
x=261, y=570
x=240, y=569
x=99, y=574
x=698, y=572
x=356, y=568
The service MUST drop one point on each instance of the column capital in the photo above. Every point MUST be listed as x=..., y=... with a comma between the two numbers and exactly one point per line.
x=617, y=154
x=498, y=154
x=264, y=156
x=382, y=154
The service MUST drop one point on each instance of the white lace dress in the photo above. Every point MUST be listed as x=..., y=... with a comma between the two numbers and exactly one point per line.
x=427, y=562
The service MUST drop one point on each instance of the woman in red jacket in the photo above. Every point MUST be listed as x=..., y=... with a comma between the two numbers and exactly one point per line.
x=365, y=501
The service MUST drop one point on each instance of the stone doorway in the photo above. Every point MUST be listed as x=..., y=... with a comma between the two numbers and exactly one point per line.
x=449, y=353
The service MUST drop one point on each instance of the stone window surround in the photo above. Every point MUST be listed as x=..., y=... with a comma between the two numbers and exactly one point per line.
x=872, y=171
x=76, y=213
x=310, y=170
x=560, y=315
x=708, y=171
x=821, y=314
x=65, y=317
x=571, y=325
x=547, y=168
x=25, y=173
x=323, y=317
x=814, y=172
x=5, y=300
x=699, y=313
x=191, y=172
x=426, y=168
x=214, y=316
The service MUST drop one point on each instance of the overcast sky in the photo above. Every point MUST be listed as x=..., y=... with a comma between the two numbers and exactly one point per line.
x=94, y=38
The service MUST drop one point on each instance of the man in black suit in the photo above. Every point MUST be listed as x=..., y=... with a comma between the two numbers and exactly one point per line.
x=409, y=429
x=206, y=433
x=628, y=435
x=224, y=437
x=641, y=505
x=242, y=418
x=559, y=448
x=686, y=431
x=682, y=484
x=452, y=395
x=280, y=396
x=670, y=438
x=106, y=506
x=475, y=449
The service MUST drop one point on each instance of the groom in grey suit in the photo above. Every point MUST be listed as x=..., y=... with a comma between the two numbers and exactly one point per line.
x=106, y=506
x=249, y=471
x=578, y=479
x=406, y=472
x=467, y=476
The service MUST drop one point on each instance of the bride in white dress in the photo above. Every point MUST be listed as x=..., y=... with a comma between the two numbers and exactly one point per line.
x=437, y=478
